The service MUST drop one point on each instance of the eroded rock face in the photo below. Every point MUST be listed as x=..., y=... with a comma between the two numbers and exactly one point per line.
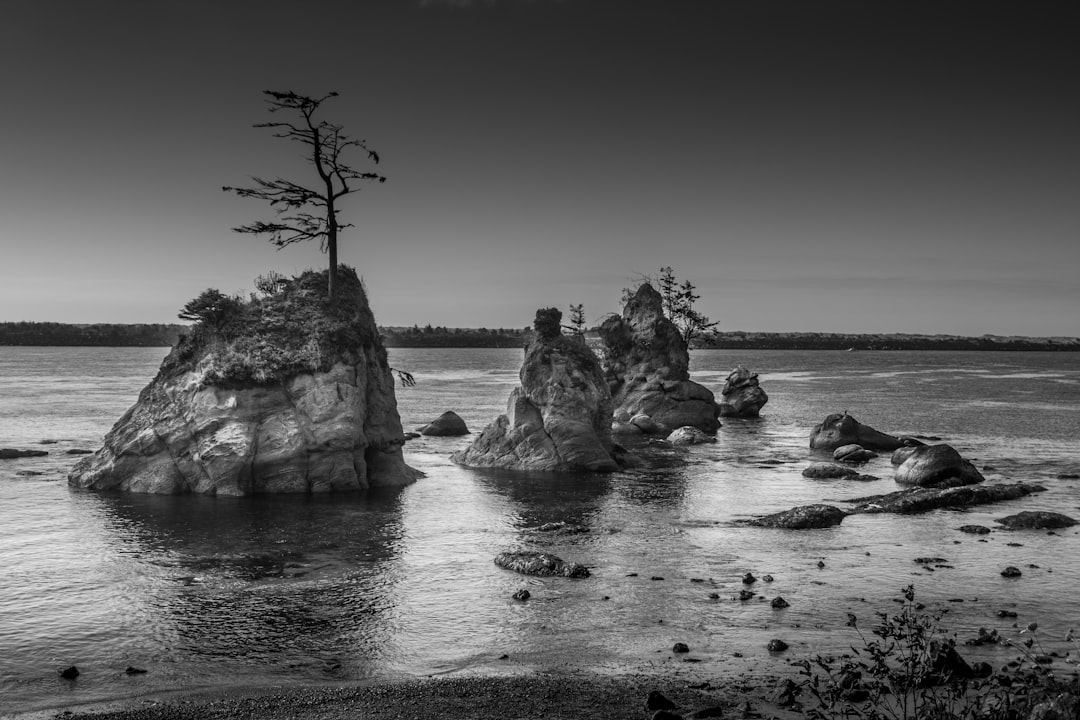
x=334, y=430
x=841, y=429
x=646, y=366
x=936, y=466
x=742, y=395
x=558, y=419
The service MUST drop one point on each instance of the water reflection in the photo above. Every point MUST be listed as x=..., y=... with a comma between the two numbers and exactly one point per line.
x=260, y=585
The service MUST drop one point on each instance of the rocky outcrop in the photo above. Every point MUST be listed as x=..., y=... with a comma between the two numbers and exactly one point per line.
x=646, y=365
x=559, y=418
x=328, y=429
x=449, y=424
x=936, y=466
x=529, y=562
x=919, y=499
x=1037, y=520
x=742, y=395
x=841, y=429
x=805, y=517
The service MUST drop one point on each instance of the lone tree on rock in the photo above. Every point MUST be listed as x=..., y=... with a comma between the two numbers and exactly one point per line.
x=304, y=213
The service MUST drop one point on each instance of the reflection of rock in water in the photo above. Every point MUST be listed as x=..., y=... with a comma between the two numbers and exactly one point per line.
x=283, y=581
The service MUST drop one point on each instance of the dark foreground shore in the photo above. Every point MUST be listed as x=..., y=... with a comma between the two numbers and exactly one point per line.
x=534, y=696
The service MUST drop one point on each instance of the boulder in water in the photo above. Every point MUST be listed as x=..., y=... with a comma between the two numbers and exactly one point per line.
x=1037, y=520
x=542, y=564
x=688, y=435
x=853, y=454
x=841, y=429
x=804, y=517
x=936, y=466
x=742, y=395
x=449, y=424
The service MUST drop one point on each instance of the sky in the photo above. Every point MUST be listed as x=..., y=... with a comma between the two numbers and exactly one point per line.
x=808, y=165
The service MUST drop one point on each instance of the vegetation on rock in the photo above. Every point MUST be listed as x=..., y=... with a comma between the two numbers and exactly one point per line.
x=287, y=329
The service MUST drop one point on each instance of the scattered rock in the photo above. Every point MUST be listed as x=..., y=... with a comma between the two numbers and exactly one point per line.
x=522, y=595
x=780, y=603
x=749, y=579
x=745, y=595
x=830, y=471
x=742, y=395
x=687, y=435
x=12, y=453
x=803, y=517
x=936, y=466
x=837, y=430
x=411, y=436
x=1011, y=572
x=561, y=528
x=646, y=364
x=28, y=473
x=777, y=645
x=1036, y=520
x=920, y=499
x=69, y=673
x=538, y=563
x=656, y=700
x=559, y=418
x=680, y=648
x=853, y=454
x=449, y=424
x=786, y=692
x=1006, y=614
x=135, y=671
x=78, y=451
x=974, y=529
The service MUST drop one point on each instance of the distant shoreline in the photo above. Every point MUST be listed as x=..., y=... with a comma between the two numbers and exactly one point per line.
x=49, y=334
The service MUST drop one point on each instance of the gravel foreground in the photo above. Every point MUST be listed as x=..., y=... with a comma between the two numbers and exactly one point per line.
x=536, y=696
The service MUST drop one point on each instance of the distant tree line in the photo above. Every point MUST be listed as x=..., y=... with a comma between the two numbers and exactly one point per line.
x=98, y=334
x=429, y=336
x=878, y=341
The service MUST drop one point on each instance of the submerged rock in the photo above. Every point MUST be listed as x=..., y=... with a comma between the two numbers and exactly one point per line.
x=936, y=466
x=13, y=453
x=252, y=408
x=449, y=424
x=646, y=365
x=919, y=499
x=538, y=563
x=559, y=418
x=853, y=454
x=841, y=429
x=804, y=517
x=832, y=471
x=742, y=395
x=1037, y=520
x=687, y=435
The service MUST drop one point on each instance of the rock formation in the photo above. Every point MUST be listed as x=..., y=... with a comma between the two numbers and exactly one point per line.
x=687, y=435
x=831, y=471
x=646, y=364
x=449, y=424
x=919, y=499
x=804, y=517
x=838, y=430
x=935, y=466
x=742, y=396
x=221, y=418
x=1037, y=520
x=529, y=562
x=559, y=418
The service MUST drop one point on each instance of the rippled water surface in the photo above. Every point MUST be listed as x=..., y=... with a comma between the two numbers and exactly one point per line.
x=284, y=590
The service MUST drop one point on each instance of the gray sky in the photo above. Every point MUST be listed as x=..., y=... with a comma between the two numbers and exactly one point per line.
x=815, y=166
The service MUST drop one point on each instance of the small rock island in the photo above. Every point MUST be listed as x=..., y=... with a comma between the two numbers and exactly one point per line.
x=281, y=393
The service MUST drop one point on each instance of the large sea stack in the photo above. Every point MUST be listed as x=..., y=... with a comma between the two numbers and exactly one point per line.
x=279, y=394
x=559, y=418
x=646, y=363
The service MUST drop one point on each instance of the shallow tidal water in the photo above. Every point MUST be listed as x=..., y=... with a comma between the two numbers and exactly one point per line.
x=224, y=592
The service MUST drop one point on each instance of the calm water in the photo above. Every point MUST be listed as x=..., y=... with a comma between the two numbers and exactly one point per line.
x=221, y=591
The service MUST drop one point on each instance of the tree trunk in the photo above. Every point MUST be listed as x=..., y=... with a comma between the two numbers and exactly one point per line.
x=331, y=250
